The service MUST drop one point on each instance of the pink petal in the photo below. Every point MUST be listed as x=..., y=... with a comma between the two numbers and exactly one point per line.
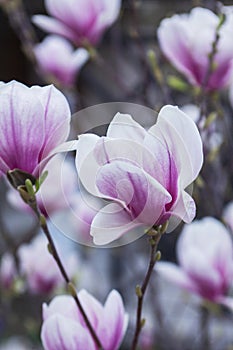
x=92, y=307
x=114, y=323
x=52, y=25
x=184, y=208
x=22, y=127
x=183, y=140
x=57, y=117
x=140, y=194
x=77, y=15
x=176, y=275
x=86, y=163
x=124, y=127
x=61, y=333
x=112, y=222
x=159, y=162
x=63, y=305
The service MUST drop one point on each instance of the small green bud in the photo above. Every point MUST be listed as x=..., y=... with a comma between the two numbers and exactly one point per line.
x=41, y=179
x=163, y=227
x=71, y=289
x=143, y=322
x=210, y=119
x=29, y=187
x=177, y=83
x=50, y=249
x=158, y=255
x=138, y=291
x=26, y=197
x=42, y=220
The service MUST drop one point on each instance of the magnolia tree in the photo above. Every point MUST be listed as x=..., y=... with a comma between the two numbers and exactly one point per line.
x=149, y=178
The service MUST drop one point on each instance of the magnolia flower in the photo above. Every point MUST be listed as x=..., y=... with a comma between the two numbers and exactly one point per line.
x=81, y=21
x=56, y=57
x=64, y=329
x=142, y=173
x=56, y=192
x=205, y=255
x=34, y=121
x=7, y=270
x=39, y=267
x=188, y=48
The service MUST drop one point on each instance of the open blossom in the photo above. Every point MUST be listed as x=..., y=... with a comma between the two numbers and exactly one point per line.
x=34, y=121
x=7, y=270
x=77, y=20
x=56, y=58
x=205, y=255
x=142, y=173
x=39, y=267
x=187, y=47
x=56, y=192
x=64, y=328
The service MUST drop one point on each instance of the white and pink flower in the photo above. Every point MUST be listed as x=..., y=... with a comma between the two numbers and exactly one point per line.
x=57, y=59
x=142, y=174
x=188, y=48
x=39, y=268
x=34, y=121
x=64, y=328
x=205, y=256
x=81, y=21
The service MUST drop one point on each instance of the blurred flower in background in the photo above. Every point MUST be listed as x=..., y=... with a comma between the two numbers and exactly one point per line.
x=8, y=270
x=81, y=21
x=58, y=61
x=205, y=255
x=63, y=326
x=39, y=268
x=188, y=48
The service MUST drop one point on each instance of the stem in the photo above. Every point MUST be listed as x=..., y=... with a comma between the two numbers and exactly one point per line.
x=210, y=69
x=140, y=290
x=70, y=285
x=204, y=314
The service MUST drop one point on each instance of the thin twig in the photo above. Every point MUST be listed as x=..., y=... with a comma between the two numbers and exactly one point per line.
x=141, y=290
x=210, y=69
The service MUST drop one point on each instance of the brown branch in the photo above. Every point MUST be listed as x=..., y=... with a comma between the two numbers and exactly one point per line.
x=141, y=290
